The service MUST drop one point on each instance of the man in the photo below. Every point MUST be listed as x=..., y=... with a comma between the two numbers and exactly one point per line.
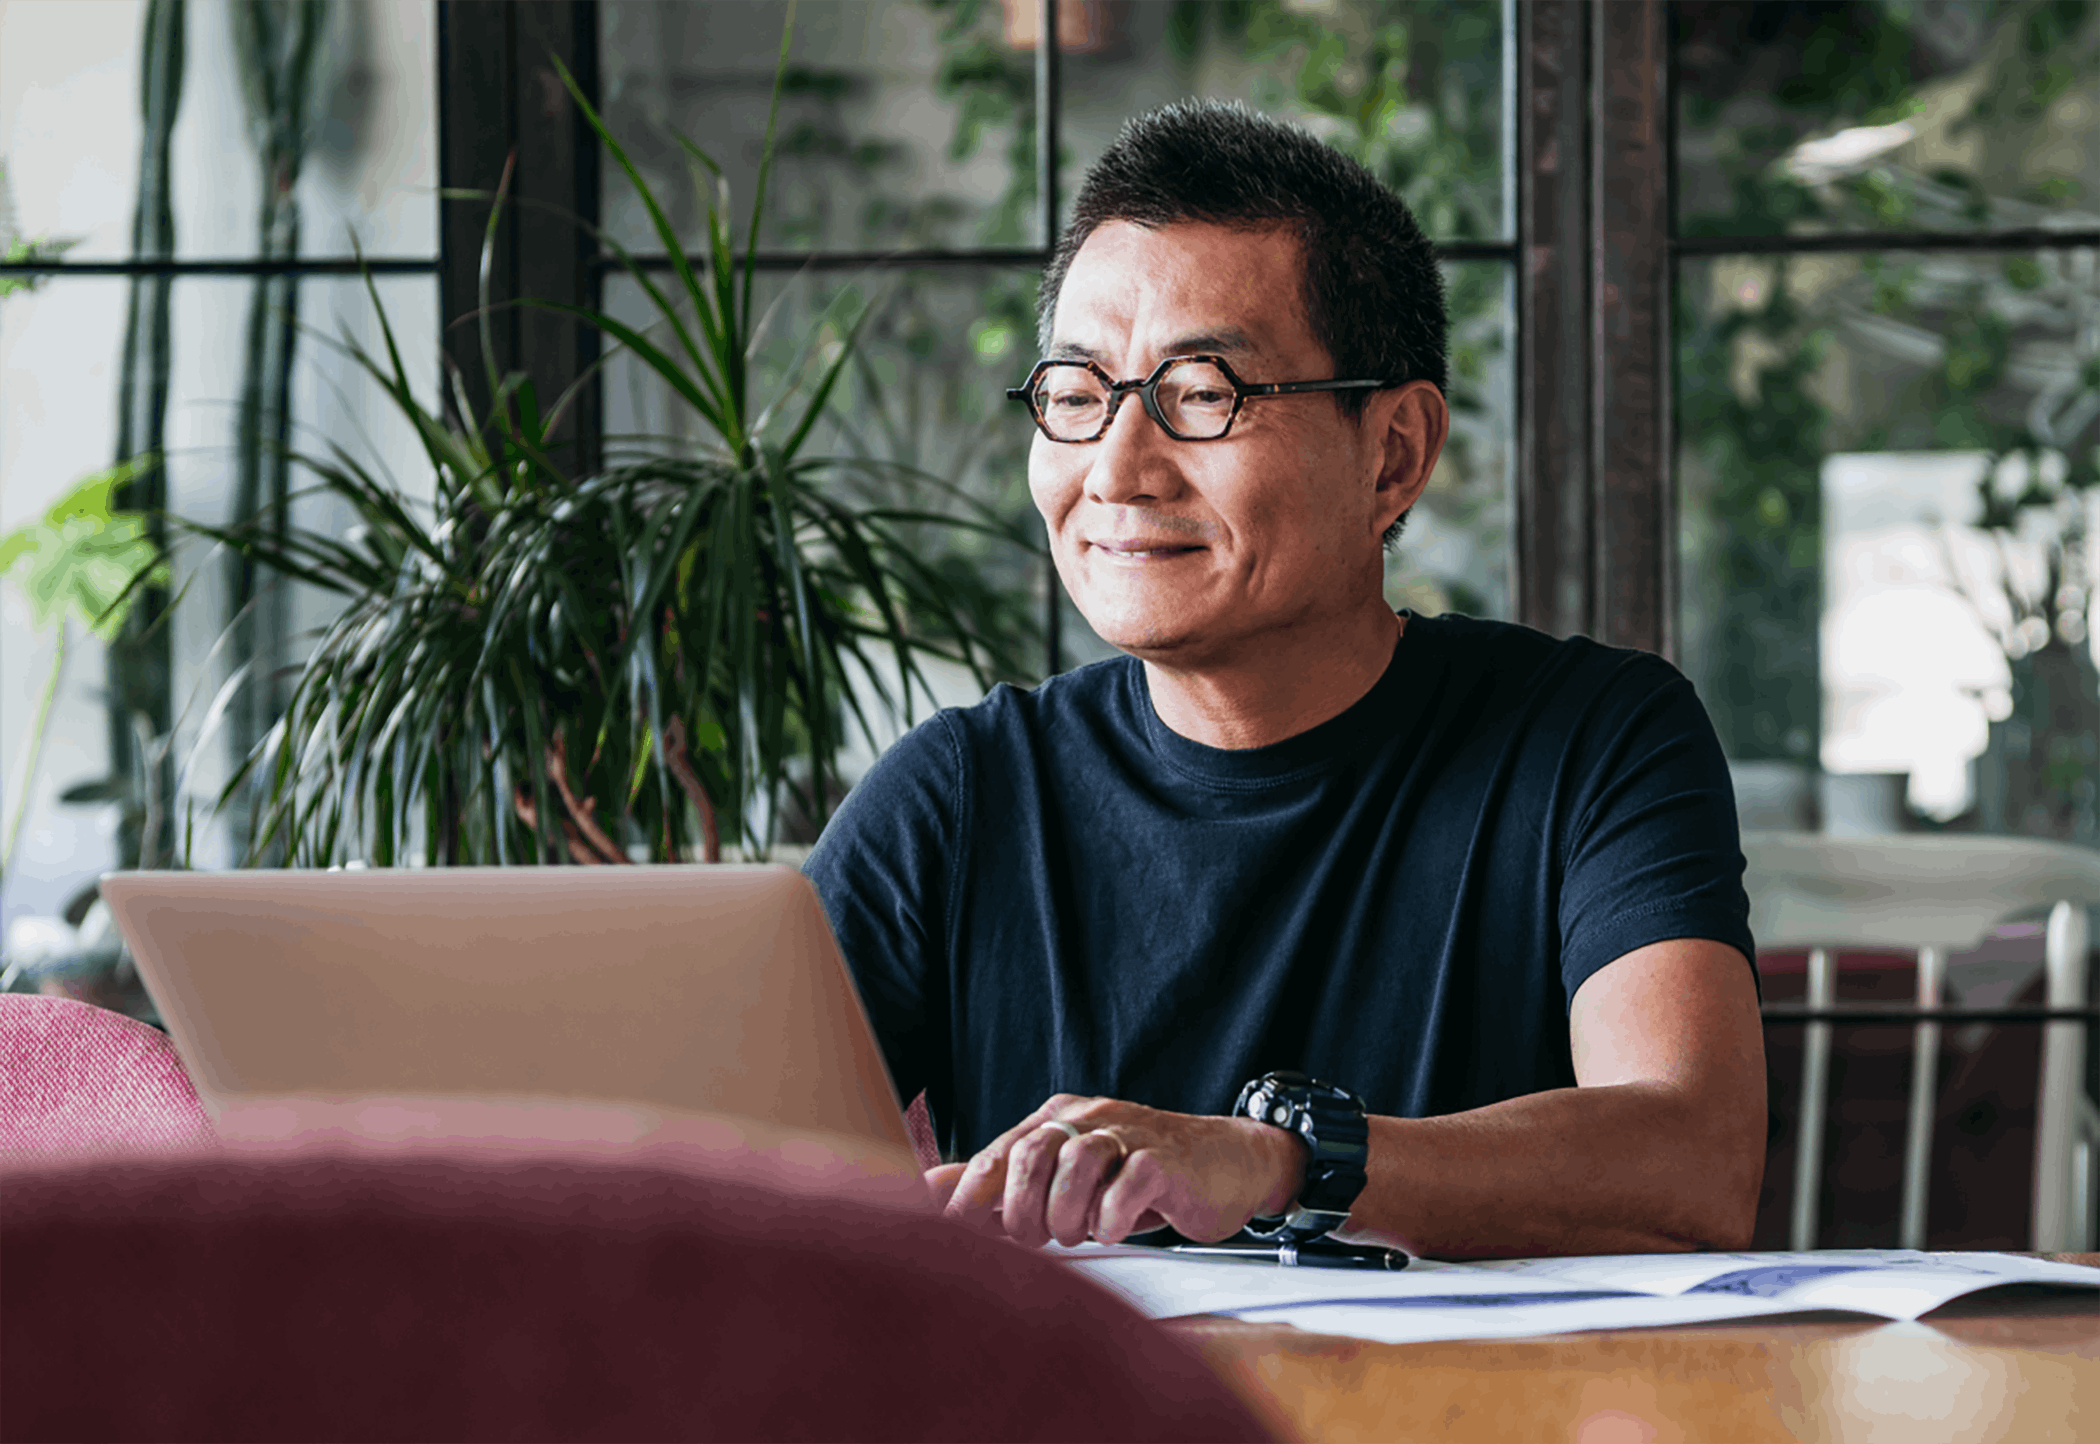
x=1485, y=884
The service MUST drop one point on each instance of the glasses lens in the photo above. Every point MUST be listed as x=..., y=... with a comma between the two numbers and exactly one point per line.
x=1196, y=398
x=1072, y=402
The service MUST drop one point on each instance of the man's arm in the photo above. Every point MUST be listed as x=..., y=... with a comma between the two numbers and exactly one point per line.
x=1659, y=1147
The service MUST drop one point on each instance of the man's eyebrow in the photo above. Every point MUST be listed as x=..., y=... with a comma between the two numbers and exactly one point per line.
x=1230, y=340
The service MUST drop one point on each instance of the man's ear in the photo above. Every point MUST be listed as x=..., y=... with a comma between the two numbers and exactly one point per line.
x=1416, y=423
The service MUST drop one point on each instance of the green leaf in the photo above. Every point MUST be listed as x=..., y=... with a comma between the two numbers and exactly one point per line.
x=82, y=557
x=103, y=789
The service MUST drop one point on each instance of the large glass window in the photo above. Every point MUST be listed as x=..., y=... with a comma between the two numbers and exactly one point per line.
x=1888, y=388
x=285, y=154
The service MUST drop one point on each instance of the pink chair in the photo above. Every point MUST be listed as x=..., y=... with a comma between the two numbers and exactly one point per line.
x=346, y=1295
x=80, y=1079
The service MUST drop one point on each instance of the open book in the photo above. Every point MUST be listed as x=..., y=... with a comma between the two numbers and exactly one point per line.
x=1517, y=1297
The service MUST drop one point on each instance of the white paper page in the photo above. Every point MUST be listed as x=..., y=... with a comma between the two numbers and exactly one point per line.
x=1167, y=1286
x=1522, y=1297
x=1673, y=1273
x=1481, y=1316
x=1894, y=1290
x=1894, y=1283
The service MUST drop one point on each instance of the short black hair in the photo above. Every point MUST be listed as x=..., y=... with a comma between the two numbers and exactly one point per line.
x=1372, y=292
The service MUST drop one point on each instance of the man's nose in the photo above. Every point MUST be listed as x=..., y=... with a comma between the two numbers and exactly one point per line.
x=1131, y=460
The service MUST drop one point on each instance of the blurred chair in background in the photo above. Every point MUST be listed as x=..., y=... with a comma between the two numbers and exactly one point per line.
x=76, y=1079
x=1930, y=897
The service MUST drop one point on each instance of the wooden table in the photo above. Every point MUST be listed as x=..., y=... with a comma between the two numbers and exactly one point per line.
x=2019, y=1365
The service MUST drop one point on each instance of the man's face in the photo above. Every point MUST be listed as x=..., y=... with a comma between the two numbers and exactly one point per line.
x=1178, y=551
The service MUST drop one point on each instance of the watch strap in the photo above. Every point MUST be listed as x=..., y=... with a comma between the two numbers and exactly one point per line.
x=1331, y=1122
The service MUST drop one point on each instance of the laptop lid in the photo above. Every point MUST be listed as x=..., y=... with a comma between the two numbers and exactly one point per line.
x=702, y=989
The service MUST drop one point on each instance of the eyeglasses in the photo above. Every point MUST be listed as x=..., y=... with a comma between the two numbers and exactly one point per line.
x=1193, y=398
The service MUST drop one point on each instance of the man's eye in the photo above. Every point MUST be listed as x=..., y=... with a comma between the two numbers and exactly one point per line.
x=1070, y=400
x=1206, y=396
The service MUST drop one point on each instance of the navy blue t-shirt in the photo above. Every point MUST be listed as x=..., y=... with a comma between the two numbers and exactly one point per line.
x=1052, y=891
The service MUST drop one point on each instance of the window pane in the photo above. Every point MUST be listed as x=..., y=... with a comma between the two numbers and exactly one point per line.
x=1888, y=539
x=1934, y=116
x=59, y=348
x=365, y=157
x=902, y=124
x=1414, y=91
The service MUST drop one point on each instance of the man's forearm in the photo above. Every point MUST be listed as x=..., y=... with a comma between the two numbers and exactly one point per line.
x=1627, y=1168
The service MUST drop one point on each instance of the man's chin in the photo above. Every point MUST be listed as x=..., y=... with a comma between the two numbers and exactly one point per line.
x=1150, y=638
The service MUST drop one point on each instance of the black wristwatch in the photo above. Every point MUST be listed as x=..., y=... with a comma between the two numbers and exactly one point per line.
x=1331, y=1121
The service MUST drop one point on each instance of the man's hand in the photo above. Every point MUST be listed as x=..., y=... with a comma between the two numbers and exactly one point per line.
x=1080, y=1168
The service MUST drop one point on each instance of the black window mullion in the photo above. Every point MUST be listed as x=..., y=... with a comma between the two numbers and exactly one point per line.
x=1049, y=100
x=1550, y=580
x=556, y=215
x=2026, y=238
x=502, y=106
x=477, y=123
x=1634, y=543
x=230, y=266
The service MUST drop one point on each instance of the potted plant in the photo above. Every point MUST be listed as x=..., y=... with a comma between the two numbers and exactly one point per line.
x=643, y=662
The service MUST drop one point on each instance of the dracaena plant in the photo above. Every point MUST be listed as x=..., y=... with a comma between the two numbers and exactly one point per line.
x=649, y=660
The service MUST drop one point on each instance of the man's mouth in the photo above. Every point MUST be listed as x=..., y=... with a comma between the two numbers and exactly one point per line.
x=1140, y=551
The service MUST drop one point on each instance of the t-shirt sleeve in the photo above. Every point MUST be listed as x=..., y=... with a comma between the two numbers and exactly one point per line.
x=1651, y=851
x=883, y=869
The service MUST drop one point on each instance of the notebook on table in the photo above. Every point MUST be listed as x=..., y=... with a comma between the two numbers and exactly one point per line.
x=702, y=990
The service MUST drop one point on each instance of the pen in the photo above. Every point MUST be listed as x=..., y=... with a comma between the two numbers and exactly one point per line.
x=1303, y=1255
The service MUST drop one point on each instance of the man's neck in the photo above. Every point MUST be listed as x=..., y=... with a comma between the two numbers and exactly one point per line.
x=1289, y=683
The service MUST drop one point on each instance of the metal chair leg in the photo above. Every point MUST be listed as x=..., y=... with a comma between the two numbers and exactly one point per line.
x=2063, y=1151
x=1924, y=1095
x=1815, y=1090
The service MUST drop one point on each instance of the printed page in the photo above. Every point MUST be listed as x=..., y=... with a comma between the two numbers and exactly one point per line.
x=1166, y=1286
x=1428, y=1318
x=1525, y=1297
x=1894, y=1283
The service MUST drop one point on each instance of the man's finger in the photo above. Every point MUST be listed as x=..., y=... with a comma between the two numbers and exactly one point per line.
x=995, y=1152
x=1030, y=1165
x=975, y=1200
x=1084, y=1167
x=941, y=1181
x=1138, y=1188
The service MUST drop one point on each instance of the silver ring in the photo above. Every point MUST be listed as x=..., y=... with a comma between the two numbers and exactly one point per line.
x=1069, y=1130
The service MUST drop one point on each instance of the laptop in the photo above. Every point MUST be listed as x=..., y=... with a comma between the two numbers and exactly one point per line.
x=698, y=989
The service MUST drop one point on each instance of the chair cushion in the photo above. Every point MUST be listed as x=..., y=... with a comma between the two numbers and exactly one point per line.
x=75, y=1078
x=347, y=1296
